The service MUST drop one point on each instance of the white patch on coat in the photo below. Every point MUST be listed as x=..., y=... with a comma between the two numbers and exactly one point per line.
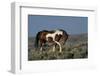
x=57, y=32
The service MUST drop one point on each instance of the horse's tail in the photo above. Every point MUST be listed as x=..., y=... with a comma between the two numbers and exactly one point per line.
x=37, y=40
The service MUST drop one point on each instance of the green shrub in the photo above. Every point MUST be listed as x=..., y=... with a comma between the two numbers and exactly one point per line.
x=69, y=51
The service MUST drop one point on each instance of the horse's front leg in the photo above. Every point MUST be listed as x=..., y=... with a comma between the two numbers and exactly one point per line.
x=54, y=48
x=41, y=48
x=59, y=46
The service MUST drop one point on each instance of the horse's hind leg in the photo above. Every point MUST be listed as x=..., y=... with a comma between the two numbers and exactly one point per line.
x=41, y=46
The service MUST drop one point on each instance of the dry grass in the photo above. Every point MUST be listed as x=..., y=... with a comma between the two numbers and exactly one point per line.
x=68, y=52
x=76, y=47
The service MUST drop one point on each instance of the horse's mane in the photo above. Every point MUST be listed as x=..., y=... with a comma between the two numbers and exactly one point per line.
x=64, y=31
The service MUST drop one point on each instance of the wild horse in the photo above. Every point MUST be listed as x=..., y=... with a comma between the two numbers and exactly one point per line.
x=57, y=37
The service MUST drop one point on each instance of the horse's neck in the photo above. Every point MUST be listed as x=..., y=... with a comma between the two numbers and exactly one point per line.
x=58, y=32
x=53, y=36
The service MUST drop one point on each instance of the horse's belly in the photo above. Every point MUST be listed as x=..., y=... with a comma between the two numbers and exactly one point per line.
x=50, y=39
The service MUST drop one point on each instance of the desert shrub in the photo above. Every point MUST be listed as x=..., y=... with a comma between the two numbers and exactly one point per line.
x=69, y=51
